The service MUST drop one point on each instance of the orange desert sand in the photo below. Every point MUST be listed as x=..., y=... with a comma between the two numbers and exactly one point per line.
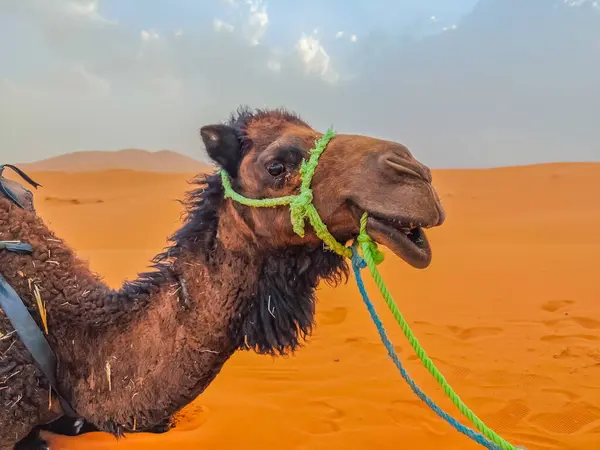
x=509, y=310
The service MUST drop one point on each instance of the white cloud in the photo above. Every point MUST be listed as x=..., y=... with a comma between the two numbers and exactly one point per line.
x=593, y=3
x=88, y=9
x=149, y=35
x=178, y=33
x=341, y=34
x=96, y=84
x=220, y=25
x=252, y=17
x=258, y=21
x=316, y=59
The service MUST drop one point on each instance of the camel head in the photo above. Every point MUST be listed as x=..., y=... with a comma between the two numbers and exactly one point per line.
x=262, y=151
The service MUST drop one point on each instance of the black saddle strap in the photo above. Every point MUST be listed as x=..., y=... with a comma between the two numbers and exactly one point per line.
x=16, y=247
x=6, y=191
x=29, y=332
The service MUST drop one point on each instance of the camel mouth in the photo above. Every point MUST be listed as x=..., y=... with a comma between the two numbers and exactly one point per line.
x=405, y=238
x=402, y=235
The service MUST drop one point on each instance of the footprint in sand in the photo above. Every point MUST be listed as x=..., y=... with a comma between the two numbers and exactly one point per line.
x=568, y=338
x=424, y=328
x=423, y=323
x=459, y=373
x=586, y=322
x=453, y=373
x=333, y=316
x=565, y=353
x=569, y=420
x=324, y=409
x=466, y=334
x=191, y=417
x=555, y=305
x=327, y=418
x=365, y=344
x=275, y=373
x=323, y=427
x=501, y=378
x=570, y=395
x=583, y=322
x=508, y=416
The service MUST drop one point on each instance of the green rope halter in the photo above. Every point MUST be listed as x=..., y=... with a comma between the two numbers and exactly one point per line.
x=301, y=208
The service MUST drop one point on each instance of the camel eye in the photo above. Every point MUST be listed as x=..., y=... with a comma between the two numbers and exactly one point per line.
x=275, y=169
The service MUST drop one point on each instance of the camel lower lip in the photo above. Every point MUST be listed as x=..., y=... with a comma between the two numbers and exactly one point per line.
x=417, y=255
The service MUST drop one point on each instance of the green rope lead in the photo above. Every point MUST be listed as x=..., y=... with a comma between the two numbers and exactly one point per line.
x=371, y=256
x=302, y=208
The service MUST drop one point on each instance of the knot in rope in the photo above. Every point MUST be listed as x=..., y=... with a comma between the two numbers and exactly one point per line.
x=358, y=262
x=299, y=209
x=368, y=244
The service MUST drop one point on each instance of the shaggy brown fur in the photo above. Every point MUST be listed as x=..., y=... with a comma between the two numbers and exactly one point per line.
x=233, y=278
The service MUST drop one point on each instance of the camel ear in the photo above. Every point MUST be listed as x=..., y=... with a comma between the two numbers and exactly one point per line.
x=223, y=146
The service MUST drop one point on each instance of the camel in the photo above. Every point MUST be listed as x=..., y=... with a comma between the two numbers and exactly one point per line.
x=232, y=278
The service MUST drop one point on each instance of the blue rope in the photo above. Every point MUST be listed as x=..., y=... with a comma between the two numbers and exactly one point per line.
x=358, y=263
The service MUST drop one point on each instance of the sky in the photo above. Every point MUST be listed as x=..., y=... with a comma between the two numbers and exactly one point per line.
x=446, y=77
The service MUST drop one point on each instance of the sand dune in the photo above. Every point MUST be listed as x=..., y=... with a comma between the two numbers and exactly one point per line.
x=164, y=161
x=509, y=311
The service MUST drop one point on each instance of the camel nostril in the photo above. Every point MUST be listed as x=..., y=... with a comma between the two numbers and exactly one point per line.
x=405, y=165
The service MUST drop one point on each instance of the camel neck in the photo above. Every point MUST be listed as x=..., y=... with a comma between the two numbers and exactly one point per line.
x=170, y=341
x=130, y=358
x=137, y=354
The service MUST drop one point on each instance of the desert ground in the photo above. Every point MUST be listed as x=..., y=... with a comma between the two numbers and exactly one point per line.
x=509, y=310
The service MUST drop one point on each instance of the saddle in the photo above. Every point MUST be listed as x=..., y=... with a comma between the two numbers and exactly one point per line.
x=30, y=334
x=14, y=191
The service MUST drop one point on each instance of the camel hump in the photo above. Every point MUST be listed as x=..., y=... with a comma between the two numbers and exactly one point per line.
x=15, y=191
